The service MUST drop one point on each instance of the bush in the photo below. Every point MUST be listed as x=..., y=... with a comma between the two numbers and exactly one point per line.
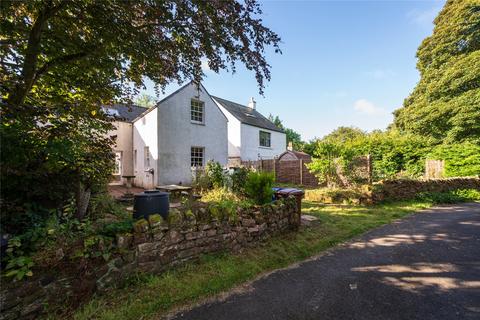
x=103, y=203
x=218, y=195
x=461, y=195
x=215, y=173
x=258, y=187
x=239, y=180
x=201, y=181
x=461, y=160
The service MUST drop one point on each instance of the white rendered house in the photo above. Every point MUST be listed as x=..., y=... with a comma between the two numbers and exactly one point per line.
x=184, y=130
x=251, y=136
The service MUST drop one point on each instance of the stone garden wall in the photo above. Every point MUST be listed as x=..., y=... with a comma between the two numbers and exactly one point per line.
x=408, y=189
x=153, y=246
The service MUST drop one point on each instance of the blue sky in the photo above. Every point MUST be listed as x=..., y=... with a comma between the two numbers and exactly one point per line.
x=344, y=63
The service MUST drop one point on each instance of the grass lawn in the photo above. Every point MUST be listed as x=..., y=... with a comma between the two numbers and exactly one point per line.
x=150, y=297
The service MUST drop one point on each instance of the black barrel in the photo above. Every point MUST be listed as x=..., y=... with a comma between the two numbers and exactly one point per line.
x=150, y=202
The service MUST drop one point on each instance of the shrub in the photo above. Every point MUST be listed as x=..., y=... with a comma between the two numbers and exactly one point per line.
x=215, y=173
x=114, y=228
x=461, y=195
x=461, y=160
x=103, y=203
x=239, y=180
x=218, y=195
x=201, y=181
x=258, y=187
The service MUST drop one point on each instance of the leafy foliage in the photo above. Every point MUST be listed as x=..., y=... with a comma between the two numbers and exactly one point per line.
x=460, y=159
x=91, y=52
x=324, y=166
x=63, y=60
x=445, y=105
x=461, y=195
x=392, y=155
x=292, y=136
x=49, y=157
x=215, y=173
x=219, y=195
x=259, y=187
x=239, y=180
x=145, y=100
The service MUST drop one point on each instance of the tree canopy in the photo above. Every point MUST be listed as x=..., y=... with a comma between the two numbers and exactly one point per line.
x=145, y=100
x=62, y=60
x=292, y=136
x=93, y=51
x=445, y=104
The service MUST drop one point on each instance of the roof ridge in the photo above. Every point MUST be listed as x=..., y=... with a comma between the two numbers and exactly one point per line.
x=242, y=105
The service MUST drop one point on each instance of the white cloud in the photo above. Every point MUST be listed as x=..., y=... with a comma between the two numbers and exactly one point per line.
x=381, y=74
x=423, y=17
x=367, y=107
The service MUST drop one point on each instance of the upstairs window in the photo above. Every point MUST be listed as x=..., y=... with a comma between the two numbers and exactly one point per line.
x=197, y=111
x=265, y=140
x=196, y=156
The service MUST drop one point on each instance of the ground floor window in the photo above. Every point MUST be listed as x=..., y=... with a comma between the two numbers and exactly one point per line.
x=146, y=157
x=118, y=163
x=196, y=156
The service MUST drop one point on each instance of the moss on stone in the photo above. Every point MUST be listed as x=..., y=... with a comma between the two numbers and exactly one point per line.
x=140, y=225
x=155, y=219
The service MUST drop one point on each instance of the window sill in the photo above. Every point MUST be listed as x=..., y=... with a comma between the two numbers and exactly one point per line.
x=262, y=147
x=198, y=123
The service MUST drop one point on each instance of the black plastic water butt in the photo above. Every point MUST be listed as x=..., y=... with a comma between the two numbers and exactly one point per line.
x=151, y=202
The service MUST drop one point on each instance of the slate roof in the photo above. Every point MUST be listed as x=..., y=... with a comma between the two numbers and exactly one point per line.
x=247, y=115
x=126, y=113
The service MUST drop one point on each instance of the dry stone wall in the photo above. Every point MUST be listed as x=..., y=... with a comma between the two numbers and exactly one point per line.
x=154, y=246
x=409, y=189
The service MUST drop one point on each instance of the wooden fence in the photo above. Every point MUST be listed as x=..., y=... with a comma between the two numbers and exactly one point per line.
x=434, y=169
x=286, y=171
x=296, y=171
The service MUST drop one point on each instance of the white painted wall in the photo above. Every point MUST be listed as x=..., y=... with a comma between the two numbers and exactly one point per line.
x=145, y=134
x=250, y=143
x=234, y=133
x=177, y=134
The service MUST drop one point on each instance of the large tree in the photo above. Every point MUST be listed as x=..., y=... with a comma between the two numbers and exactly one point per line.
x=292, y=136
x=61, y=60
x=97, y=49
x=445, y=104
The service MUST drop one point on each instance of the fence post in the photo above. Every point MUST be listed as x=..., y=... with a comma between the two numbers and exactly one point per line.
x=301, y=172
x=275, y=169
x=369, y=169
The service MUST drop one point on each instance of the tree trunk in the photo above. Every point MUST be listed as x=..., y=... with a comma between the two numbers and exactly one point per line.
x=82, y=197
x=29, y=68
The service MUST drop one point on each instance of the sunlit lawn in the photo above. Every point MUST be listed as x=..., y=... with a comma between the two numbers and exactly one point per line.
x=150, y=296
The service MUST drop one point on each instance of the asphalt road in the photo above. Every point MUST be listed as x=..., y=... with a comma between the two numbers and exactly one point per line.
x=426, y=266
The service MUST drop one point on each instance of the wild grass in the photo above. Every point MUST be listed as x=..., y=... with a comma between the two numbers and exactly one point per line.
x=152, y=296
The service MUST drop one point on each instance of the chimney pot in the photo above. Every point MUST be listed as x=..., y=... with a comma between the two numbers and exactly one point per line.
x=252, y=104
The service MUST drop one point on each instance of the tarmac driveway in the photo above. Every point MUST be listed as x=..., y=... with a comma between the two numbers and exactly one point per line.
x=426, y=266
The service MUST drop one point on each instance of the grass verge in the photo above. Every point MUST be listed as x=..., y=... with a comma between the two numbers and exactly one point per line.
x=151, y=296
